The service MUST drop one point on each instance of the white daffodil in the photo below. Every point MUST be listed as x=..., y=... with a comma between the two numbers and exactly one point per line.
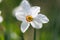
x=1, y=18
x=0, y=1
x=29, y=15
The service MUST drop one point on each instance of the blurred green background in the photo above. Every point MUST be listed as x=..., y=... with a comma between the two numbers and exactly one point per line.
x=10, y=27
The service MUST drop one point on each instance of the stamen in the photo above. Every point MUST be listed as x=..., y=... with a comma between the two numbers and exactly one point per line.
x=29, y=18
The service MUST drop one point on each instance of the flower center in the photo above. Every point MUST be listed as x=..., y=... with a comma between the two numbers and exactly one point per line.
x=29, y=18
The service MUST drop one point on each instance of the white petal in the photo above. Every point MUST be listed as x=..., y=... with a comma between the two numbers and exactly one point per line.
x=42, y=18
x=24, y=26
x=18, y=10
x=20, y=18
x=19, y=13
x=37, y=20
x=0, y=12
x=36, y=25
x=25, y=5
x=1, y=1
x=1, y=19
x=22, y=10
x=35, y=10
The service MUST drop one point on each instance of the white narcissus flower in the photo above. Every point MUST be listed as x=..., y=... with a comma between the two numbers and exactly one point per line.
x=29, y=15
x=0, y=1
x=1, y=18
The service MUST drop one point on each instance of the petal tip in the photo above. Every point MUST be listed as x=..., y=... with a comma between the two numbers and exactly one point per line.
x=47, y=20
x=23, y=31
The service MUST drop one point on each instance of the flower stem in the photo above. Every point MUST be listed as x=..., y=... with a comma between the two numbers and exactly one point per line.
x=34, y=34
x=22, y=38
x=6, y=36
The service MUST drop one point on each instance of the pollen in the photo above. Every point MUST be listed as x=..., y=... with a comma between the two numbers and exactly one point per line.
x=29, y=18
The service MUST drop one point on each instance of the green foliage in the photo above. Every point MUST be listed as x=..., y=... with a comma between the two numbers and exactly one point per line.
x=50, y=31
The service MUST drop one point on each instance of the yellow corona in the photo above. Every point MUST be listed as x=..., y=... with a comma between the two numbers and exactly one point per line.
x=29, y=18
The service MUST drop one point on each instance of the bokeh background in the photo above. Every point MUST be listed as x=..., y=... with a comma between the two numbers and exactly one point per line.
x=10, y=27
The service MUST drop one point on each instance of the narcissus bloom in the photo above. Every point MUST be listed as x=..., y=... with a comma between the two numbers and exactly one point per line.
x=1, y=18
x=29, y=15
x=0, y=1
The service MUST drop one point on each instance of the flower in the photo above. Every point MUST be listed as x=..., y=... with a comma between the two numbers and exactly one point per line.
x=0, y=1
x=1, y=18
x=29, y=15
x=0, y=12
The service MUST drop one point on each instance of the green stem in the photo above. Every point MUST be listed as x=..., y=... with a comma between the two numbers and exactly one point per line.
x=7, y=37
x=34, y=34
x=22, y=38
